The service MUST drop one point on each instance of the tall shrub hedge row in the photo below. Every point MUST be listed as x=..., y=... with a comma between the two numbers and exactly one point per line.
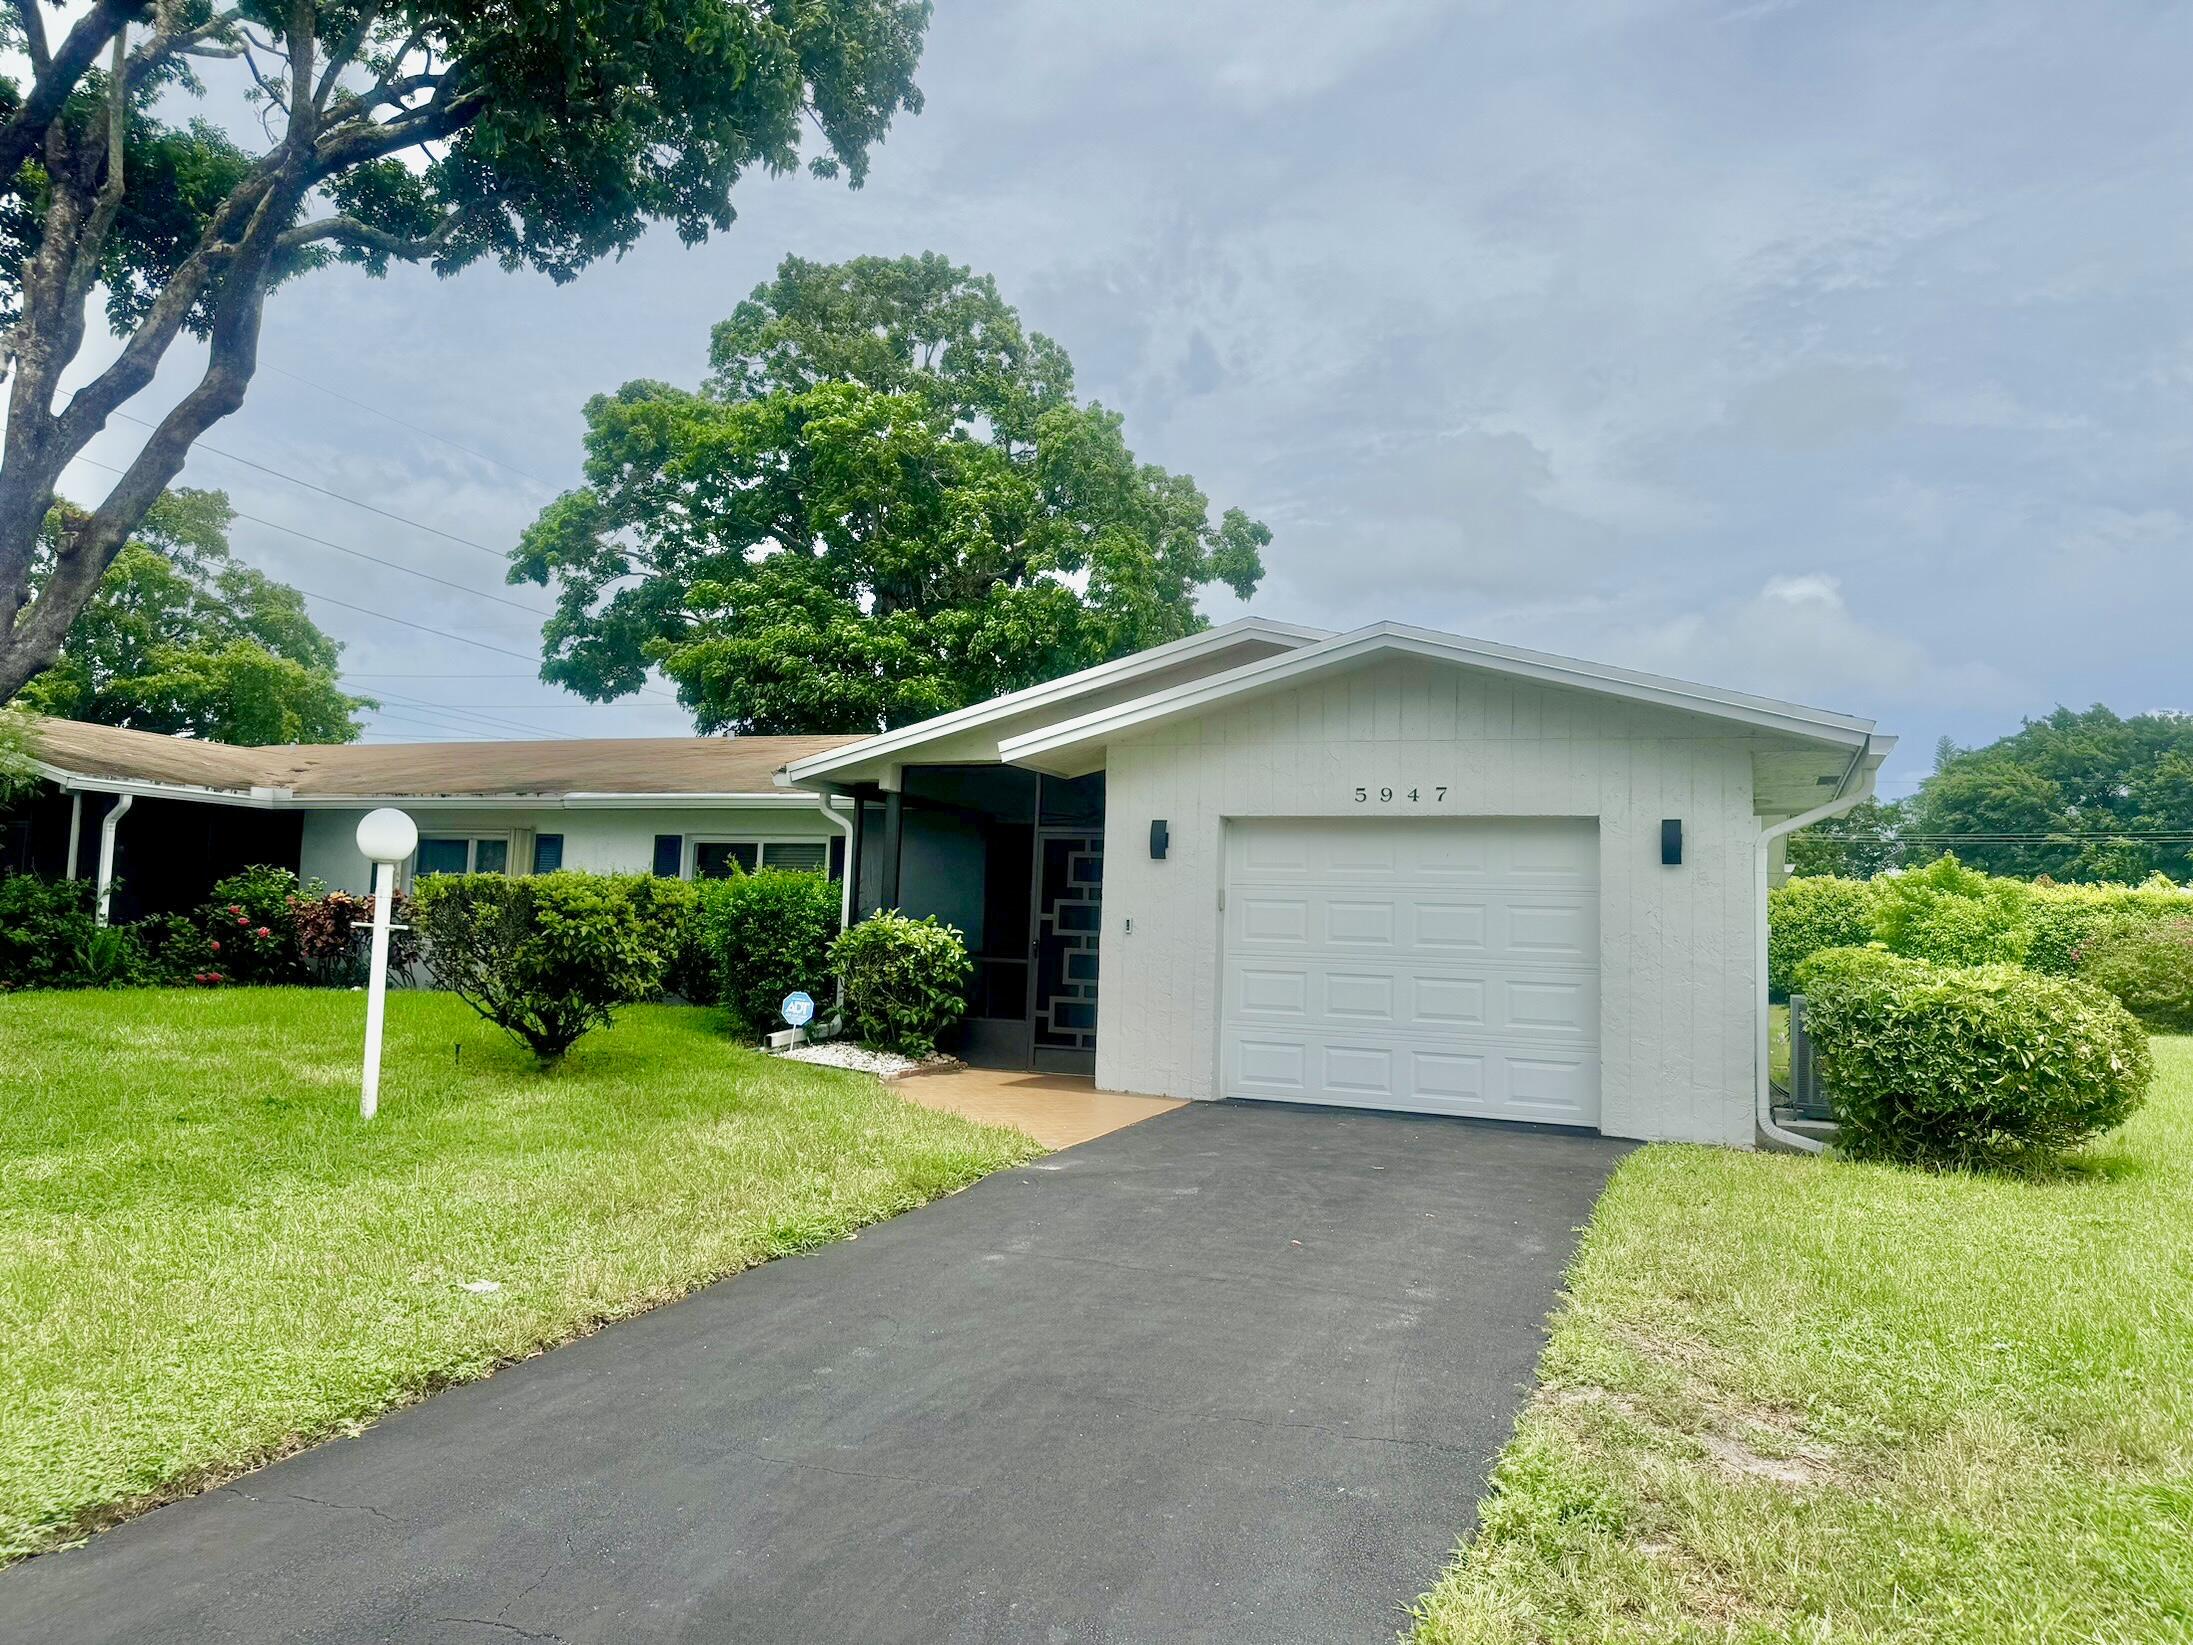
x=1948, y=914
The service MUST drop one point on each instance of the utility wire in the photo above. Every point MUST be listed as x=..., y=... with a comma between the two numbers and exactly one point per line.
x=451, y=711
x=370, y=508
x=392, y=565
x=389, y=416
x=360, y=554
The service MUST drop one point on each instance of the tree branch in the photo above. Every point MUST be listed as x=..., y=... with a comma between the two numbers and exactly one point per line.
x=365, y=237
x=34, y=35
x=345, y=53
x=26, y=130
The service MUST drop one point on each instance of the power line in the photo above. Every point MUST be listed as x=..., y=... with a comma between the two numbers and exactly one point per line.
x=370, y=508
x=389, y=416
x=470, y=714
x=470, y=733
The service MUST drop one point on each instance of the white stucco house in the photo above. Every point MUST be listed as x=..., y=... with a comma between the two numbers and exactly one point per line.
x=1387, y=868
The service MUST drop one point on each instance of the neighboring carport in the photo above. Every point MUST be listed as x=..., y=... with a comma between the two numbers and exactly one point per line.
x=1234, y=1373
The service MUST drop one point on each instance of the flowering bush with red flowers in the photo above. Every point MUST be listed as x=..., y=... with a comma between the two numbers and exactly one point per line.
x=251, y=926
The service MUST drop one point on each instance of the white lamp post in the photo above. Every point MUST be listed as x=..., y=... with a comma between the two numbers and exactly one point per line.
x=386, y=837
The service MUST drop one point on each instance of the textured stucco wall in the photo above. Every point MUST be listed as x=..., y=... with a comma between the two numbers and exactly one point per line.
x=1676, y=1033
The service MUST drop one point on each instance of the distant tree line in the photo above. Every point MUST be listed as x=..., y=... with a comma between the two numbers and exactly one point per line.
x=2078, y=796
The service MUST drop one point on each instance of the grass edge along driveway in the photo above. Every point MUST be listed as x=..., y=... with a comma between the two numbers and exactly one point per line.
x=1790, y=1399
x=207, y=1260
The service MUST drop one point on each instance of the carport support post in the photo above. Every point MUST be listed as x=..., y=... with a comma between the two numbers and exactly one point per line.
x=894, y=825
x=76, y=827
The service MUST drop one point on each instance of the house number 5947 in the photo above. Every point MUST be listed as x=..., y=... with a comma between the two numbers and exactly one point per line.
x=1414, y=796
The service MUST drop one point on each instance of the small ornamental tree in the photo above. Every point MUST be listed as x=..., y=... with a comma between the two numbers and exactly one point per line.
x=905, y=981
x=546, y=957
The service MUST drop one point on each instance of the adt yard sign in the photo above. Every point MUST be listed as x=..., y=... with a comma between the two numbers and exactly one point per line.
x=799, y=1009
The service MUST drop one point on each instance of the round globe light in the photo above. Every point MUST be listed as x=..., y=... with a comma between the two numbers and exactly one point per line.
x=387, y=835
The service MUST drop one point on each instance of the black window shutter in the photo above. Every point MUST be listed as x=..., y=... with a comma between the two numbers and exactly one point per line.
x=669, y=855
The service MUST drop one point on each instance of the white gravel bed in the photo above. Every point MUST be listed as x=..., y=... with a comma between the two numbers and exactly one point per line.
x=885, y=1065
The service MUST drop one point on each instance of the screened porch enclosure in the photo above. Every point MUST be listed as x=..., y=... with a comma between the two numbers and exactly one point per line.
x=1015, y=860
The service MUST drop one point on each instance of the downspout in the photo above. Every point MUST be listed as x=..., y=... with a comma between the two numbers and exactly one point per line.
x=106, y=851
x=824, y=795
x=1843, y=801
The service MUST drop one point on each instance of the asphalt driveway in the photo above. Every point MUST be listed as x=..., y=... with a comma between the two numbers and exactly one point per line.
x=1235, y=1373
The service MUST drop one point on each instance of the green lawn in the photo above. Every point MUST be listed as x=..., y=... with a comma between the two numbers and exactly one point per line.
x=206, y=1258
x=1791, y=1399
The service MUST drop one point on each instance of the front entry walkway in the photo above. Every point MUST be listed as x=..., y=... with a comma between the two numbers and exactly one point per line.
x=1234, y=1374
x=1058, y=1110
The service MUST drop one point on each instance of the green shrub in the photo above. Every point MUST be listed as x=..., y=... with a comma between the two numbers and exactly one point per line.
x=1808, y=915
x=903, y=981
x=1949, y=914
x=546, y=957
x=762, y=935
x=2067, y=917
x=1960, y=1067
x=44, y=925
x=112, y=956
x=251, y=924
x=2147, y=965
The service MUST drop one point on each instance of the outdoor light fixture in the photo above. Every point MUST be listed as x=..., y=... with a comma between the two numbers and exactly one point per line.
x=386, y=837
x=1159, y=839
x=1671, y=842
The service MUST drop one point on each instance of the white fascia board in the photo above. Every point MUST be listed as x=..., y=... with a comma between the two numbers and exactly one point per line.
x=1052, y=691
x=1054, y=745
x=771, y=800
x=259, y=799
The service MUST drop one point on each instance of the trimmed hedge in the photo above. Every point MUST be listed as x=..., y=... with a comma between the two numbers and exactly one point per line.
x=1808, y=916
x=1953, y=915
x=546, y=957
x=1949, y=914
x=1972, y=1067
x=2147, y=965
x=903, y=981
x=754, y=938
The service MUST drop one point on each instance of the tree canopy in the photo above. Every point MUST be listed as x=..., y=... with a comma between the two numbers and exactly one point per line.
x=2078, y=795
x=181, y=639
x=540, y=134
x=885, y=502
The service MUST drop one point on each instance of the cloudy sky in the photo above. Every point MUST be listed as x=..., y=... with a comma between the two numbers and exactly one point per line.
x=1838, y=351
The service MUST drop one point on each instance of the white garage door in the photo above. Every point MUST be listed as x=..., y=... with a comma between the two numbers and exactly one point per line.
x=1446, y=967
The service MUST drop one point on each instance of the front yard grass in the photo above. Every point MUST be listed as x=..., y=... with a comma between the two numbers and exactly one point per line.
x=207, y=1259
x=1808, y=1400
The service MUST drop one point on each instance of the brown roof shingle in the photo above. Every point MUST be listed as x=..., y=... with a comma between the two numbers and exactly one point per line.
x=597, y=765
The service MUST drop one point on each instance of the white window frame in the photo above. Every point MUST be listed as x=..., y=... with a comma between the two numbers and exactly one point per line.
x=760, y=842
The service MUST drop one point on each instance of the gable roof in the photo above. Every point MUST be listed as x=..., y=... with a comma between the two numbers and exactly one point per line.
x=600, y=767
x=1074, y=745
x=974, y=733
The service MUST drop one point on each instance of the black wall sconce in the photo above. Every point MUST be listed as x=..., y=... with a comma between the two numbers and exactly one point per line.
x=1159, y=838
x=1671, y=841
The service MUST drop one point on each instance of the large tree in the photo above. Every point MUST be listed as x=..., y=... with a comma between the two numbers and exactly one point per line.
x=885, y=502
x=179, y=638
x=538, y=133
x=2088, y=795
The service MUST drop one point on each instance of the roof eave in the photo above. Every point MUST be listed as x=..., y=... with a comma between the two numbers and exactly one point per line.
x=818, y=766
x=1065, y=748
